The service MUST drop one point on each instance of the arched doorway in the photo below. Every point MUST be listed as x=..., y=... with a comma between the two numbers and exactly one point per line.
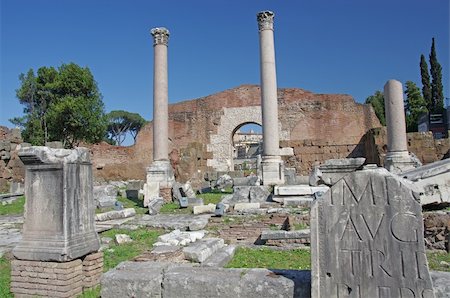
x=246, y=140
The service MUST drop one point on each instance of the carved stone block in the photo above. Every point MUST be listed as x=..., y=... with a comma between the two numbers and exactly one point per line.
x=59, y=211
x=367, y=239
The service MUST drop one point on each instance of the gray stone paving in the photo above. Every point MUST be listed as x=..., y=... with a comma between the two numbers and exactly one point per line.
x=10, y=234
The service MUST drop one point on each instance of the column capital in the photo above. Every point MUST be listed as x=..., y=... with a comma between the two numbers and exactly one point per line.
x=160, y=36
x=265, y=20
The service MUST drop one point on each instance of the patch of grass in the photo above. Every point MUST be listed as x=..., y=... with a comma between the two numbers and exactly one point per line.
x=297, y=259
x=91, y=293
x=211, y=197
x=300, y=226
x=174, y=208
x=143, y=240
x=137, y=204
x=5, y=277
x=435, y=258
x=15, y=208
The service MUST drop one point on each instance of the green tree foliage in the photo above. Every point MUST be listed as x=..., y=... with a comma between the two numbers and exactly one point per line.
x=61, y=104
x=377, y=102
x=437, y=89
x=426, y=85
x=415, y=106
x=122, y=122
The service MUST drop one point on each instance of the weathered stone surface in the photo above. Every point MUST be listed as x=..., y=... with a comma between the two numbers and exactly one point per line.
x=259, y=194
x=188, y=281
x=433, y=180
x=276, y=235
x=155, y=205
x=221, y=257
x=105, y=196
x=201, y=250
x=239, y=207
x=59, y=220
x=122, y=238
x=241, y=194
x=210, y=208
x=298, y=190
x=441, y=283
x=133, y=279
x=175, y=221
x=367, y=238
x=334, y=169
x=177, y=237
x=224, y=181
x=116, y=214
x=297, y=201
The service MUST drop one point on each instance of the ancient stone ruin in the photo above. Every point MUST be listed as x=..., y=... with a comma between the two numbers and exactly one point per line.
x=57, y=256
x=367, y=239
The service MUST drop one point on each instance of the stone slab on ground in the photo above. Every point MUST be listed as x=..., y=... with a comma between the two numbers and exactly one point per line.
x=10, y=232
x=177, y=237
x=297, y=201
x=298, y=190
x=134, y=279
x=367, y=237
x=240, y=207
x=186, y=281
x=101, y=226
x=201, y=250
x=116, y=214
x=182, y=222
x=441, y=283
x=279, y=235
x=210, y=208
x=221, y=257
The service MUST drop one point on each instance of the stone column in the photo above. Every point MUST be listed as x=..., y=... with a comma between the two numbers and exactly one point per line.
x=160, y=94
x=160, y=173
x=397, y=158
x=272, y=165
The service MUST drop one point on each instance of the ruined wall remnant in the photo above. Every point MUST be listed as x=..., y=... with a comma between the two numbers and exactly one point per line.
x=11, y=167
x=317, y=126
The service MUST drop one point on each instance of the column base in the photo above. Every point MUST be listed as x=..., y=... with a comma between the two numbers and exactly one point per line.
x=400, y=161
x=159, y=176
x=272, y=170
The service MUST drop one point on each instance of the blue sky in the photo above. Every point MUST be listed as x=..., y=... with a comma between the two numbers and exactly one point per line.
x=346, y=46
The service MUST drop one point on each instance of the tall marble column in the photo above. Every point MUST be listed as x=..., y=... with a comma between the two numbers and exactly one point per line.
x=160, y=94
x=160, y=174
x=272, y=165
x=397, y=158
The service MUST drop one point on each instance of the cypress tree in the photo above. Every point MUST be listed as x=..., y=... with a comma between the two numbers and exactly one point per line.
x=437, y=93
x=426, y=87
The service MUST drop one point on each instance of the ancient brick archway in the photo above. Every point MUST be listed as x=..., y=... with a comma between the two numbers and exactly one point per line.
x=221, y=145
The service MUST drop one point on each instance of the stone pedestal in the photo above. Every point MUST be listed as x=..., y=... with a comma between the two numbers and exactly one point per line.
x=397, y=159
x=272, y=170
x=159, y=176
x=59, y=211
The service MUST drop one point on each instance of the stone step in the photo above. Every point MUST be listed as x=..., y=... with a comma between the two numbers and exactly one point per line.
x=221, y=257
x=201, y=250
